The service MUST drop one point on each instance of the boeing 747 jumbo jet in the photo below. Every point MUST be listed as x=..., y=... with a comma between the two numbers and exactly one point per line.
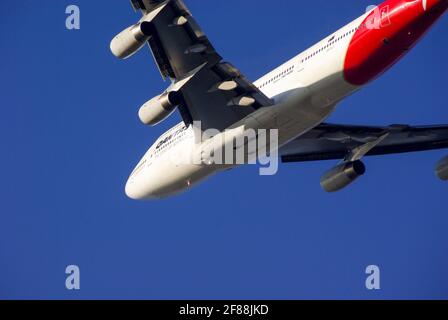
x=286, y=108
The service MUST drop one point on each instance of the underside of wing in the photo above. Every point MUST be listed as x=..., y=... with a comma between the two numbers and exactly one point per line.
x=205, y=88
x=330, y=141
x=177, y=42
x=351, y=143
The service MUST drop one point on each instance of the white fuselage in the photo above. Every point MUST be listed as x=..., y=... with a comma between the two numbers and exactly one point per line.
x=316, y=82
x=305, y=89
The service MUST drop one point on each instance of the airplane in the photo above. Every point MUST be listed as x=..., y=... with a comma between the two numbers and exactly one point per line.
x=295, y=99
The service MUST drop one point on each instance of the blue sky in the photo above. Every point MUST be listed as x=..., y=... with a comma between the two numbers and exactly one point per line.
x=70, y=137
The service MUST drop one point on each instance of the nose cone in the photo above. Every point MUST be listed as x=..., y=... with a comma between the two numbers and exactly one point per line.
x=140, y=191
x=131, y=190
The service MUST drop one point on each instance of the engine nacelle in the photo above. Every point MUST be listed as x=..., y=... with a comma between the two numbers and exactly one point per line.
x=131, y=40
x=442, y=169
x=159, y=108
x=342, y=175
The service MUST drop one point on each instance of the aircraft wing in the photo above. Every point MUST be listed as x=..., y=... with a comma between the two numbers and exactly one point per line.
x=213, y=92
x=332, y=141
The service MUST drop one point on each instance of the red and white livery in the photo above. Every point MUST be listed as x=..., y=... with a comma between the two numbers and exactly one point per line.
x=295, y=98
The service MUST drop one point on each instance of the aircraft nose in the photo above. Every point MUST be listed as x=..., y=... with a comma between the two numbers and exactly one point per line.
x=139, y=190
x=131, y=190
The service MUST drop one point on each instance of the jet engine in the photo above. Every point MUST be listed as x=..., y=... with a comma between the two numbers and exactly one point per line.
x=442, y=169
x=131, y=40
x=342, y=175
x=159, y=108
